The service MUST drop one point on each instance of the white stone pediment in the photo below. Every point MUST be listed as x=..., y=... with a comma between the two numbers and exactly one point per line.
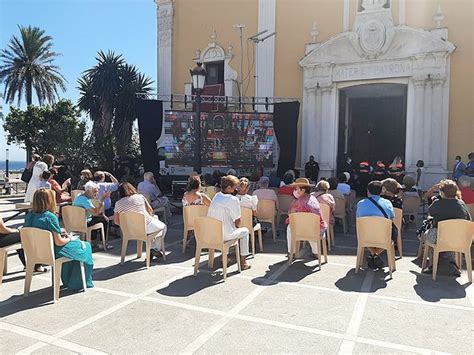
x=407, y=42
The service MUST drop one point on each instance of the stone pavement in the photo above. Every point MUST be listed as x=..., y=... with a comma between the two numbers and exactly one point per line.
x=271, y=308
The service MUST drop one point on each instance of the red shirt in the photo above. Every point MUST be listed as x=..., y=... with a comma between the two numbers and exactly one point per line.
x=286, y=190
x=467, y=195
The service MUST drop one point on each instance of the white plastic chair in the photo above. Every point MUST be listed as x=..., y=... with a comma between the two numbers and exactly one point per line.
x=132, y=225
x=38, y=246
x=74, y=219
x=4, y=258
x=374, y=232
x=305, y=226
x=267, y=213
x=189, y=214
x=246, y=221
x=209, y=235
x=453, y=235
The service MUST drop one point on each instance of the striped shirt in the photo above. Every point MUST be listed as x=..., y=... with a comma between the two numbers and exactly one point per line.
x=134, y=203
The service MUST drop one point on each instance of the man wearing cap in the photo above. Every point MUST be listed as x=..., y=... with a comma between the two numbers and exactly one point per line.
x=305, y=202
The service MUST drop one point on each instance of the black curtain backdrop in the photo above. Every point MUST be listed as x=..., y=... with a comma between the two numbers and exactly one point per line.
x=150, y=121
x=285, y=122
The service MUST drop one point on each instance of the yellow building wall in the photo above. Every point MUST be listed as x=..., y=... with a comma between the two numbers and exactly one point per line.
x=459, y=19
x=294, y=20
x=194, y=21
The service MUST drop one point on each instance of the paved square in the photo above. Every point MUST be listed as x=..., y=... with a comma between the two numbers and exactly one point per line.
x=271, y=308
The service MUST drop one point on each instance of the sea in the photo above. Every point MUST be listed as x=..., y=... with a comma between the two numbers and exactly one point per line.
x=13, y=165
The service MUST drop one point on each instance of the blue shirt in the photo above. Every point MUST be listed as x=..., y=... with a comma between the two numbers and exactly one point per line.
x=457, y=171
x=149, y=189
x=366, y=208
x=107, y=187
x=83, y=201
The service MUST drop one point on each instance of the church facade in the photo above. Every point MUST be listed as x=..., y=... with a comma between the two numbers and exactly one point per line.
x=375, y=78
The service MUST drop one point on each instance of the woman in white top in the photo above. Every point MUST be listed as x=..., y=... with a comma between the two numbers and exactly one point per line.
x=35, y=181
x=131, y=201
x=246, y=200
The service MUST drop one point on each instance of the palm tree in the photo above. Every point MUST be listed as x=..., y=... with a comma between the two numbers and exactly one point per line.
x=132, y=82
x=105, y=84
x=27, y=64
x=108, y=95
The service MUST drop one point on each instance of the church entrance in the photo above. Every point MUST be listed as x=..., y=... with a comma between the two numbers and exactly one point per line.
x=372, y=123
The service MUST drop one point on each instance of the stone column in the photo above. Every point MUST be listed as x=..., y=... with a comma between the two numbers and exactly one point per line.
x=428, y=106
x=165, y=40
x=436, y=142
x=418, y=118
x=326, y=131
x=311, y=143
x=164, y=13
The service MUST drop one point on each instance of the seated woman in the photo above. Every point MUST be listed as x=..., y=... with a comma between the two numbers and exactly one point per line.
x=132, y=201
x=193, y=196
x=246, y=200
x=264, y=193
x=324, y=197
x=448, y=206
x=305, y=202
x=209, y=189
x=61, y=191
x=409, y=186
x=94, y=214
x=285, y=186
x=43, y=217
x=467, y=193
x=9, y=236
x=390, y=188
x=333, y=182
x=86, y=176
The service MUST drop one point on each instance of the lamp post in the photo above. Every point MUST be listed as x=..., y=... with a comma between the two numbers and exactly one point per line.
x=198, y=75
x=7, y=161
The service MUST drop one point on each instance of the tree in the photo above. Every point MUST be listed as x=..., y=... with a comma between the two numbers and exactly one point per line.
x=132, y=82
x=55, y=129
x=107, y=94
x=27, y=64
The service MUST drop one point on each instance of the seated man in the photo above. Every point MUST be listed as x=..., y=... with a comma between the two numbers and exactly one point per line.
x=149, y=188
x=374, y=205
x=226, y=208
x=106, y=187
x=93, y=214
x=343, y=186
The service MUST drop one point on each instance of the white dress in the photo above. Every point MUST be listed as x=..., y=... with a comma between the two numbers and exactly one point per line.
x=35, y=180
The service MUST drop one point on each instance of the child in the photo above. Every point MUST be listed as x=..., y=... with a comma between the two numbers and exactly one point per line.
x=44, y=180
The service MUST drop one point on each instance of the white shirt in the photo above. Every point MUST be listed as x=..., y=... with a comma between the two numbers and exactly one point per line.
x=248, y=201
x=344, y=188
x=225, y=208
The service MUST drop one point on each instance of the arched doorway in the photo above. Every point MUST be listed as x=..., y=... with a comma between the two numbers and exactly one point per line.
x=372, y=122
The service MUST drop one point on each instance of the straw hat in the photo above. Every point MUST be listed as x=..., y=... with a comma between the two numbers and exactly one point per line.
x=302, y=182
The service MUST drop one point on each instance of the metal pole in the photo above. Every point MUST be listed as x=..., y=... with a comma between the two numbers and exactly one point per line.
x=197, y=133
x=7, y=161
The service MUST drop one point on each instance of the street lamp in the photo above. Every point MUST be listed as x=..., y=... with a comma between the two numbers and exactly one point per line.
x=198, y=75
x=7, y=161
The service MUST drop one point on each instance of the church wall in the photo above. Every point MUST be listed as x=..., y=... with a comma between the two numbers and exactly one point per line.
x=294, y=19
x=194, y=21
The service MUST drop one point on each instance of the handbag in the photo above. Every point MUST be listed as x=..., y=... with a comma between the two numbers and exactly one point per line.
x=394, y=235
x=26, y=175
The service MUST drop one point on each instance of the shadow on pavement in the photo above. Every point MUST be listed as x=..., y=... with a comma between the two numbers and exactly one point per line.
x=434, y=291
x=190, y=285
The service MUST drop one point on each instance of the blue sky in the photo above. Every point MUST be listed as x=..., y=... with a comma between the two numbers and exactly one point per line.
x=80, y=28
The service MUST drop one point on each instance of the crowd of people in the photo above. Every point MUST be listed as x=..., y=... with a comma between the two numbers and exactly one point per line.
x=102, y=196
